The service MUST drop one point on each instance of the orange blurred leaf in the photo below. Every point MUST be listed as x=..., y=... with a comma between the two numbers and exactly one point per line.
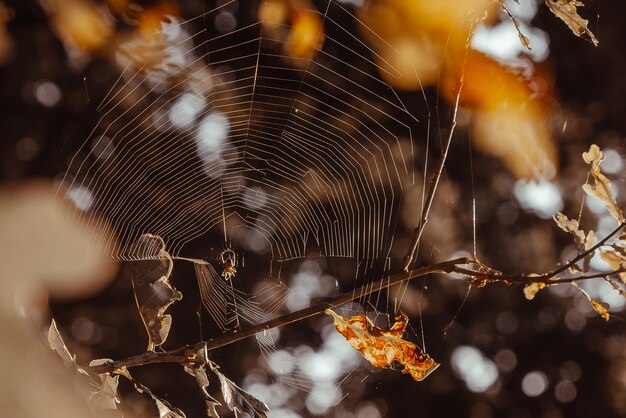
x=151, y=19
x=306, y=35
x=82, y=24
x=382, y=347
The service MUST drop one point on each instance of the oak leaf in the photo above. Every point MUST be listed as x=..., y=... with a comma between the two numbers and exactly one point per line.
x=382, y=347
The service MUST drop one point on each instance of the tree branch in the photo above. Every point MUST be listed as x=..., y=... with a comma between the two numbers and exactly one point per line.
x=186, y=354
x=189, y=356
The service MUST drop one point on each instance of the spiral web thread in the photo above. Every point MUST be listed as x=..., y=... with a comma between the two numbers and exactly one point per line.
x=228, y=137
x=224, y=135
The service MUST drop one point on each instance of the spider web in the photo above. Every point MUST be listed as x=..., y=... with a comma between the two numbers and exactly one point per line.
x=227, y=136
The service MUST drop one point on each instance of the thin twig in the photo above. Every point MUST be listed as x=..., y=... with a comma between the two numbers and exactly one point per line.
x=589, y=251
x=542, y=278
x=434, y=182
x=182, y=355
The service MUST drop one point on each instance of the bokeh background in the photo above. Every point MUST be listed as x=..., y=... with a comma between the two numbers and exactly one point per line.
x=501, y=355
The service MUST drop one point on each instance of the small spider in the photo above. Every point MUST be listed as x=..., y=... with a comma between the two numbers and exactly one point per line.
x=229, y=260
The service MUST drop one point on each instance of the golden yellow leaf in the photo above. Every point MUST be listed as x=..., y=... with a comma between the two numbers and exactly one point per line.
x=382, y=347
x=530, y=290
x=601, y=309
x=151, y=19
x=306, y=35
x=82, y=24
x=509, y=118
x=413, y=39
x=273, y=13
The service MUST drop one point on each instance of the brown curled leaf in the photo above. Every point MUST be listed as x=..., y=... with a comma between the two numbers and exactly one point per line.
x=150, y=275
x=166, y=410
x=584, y=242
x=382, y=347
x=602, y=186
x=566, y=11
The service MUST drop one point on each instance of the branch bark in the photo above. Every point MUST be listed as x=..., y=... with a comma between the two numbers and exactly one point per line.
x=189, y=356
x=186, y=354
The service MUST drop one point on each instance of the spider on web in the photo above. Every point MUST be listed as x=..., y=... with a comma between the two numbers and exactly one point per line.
x=229, y=261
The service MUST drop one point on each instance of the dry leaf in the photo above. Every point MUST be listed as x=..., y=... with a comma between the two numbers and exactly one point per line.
x=566, y=11
x=523, y=39
x=382, y=347
x=585, y=243
x=600, y=307
x=57, y=344
x=153, y=291
x=615, y=257
x=237, y=399
x=602, y=186
x=610, y=257
x=199, y=372
x=165, y=409
x=106, y=395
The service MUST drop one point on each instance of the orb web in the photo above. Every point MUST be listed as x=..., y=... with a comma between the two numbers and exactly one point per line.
x=229, y=136
x=237, y=140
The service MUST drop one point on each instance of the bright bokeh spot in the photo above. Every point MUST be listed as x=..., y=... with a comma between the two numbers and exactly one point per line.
x=471, y=365
x=47, y=93
x=534, y=383
x=212, y=133
x=613, y=162
x=542, y=197
x=185, y=109
x=81, y=197
x=502, y=42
